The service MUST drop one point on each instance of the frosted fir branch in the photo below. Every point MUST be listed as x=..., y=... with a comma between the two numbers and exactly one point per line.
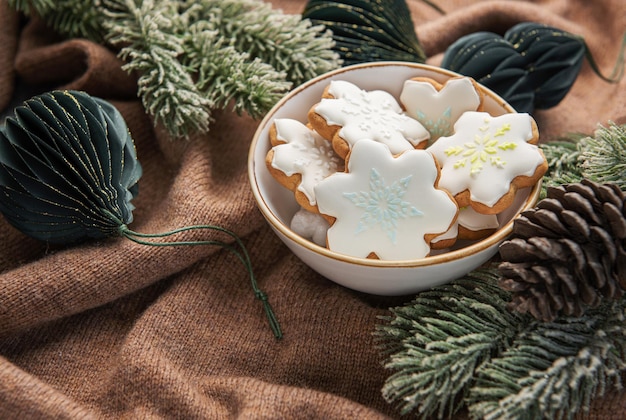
x=151, y=44
x=288, y=43
x=179, y=87
x=603, y=155
x=30, y=7
x=554, y=370
x=563, y=162
x=600, y=157
x=71, y=18
x=459, y=345
x=436, y=343
x=225, y=74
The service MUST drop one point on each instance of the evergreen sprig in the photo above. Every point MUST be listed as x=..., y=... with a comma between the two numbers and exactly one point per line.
x=603, y=155
x=458, y=345
x=286, y=42
x=192, y=57
x=71, y=18
x=600, y=157
x=438, y=341
x=554, y=370
x=152, y=45
x=563, y=168
x=225, y=74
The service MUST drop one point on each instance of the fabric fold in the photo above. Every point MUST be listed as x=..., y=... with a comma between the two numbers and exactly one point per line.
x=9, y=35
x=112, y=329
x=52, y=62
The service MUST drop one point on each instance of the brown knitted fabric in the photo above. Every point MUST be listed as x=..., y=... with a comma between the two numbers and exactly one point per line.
x=112, y=329
x=8, y=40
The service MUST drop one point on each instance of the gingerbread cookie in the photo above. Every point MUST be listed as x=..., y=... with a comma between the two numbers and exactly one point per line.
x=299, y=159
x=474, y=225
x=470, y=225
x=385, y=206
x=347, y=114
x=488, y=159
x=437, y=106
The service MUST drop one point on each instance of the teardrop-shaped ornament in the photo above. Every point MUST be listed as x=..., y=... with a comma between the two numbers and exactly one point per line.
x=68, y=168
x=365, y=30
x=69, y=171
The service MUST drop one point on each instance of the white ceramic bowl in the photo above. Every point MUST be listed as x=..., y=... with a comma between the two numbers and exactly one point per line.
x=368, y=275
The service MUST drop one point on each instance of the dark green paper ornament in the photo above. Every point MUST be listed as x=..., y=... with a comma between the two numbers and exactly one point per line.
x=533, y=66
x=69, y=171
x=366, y=30
x=57, y=184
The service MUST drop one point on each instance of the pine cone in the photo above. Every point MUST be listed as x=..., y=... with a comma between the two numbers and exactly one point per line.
x=567, y=254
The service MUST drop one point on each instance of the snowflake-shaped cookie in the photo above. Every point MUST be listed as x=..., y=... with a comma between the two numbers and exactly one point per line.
x=300, y=159
x=469, y=225
x=385, y=205
x=488, y=158
x=436, y=106
x=347, y=114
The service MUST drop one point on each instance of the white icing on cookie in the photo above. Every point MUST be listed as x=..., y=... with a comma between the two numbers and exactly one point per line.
x=470, y=219
x=385, y=204
x=439, y=110
x=452, y=233
x=485, y=153
x=304, y=152
x=311, y=226
x=374, y=115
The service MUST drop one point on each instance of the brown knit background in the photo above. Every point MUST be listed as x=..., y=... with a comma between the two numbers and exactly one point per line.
x=111, y=329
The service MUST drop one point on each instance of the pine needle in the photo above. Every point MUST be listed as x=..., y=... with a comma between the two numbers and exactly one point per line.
x=72, y=18
x=458, y=345
x=439, y=340
x=603, y=155
x=563, y=162
x=193, y=57
x=225, y=74
x=554, y=370
x=287, y=43
x=151, y=47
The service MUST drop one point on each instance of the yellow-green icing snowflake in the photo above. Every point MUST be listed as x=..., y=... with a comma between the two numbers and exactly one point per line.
x=484, y=149
x=486, y=153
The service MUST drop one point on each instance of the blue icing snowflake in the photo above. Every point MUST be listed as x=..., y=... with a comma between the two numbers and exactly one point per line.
x=383, y=205
x=440, y=127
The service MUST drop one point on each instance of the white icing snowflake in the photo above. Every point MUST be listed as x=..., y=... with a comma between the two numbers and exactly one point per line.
x=486, y=153
x=304, y=152
x=374, y=115
x=385, y=204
